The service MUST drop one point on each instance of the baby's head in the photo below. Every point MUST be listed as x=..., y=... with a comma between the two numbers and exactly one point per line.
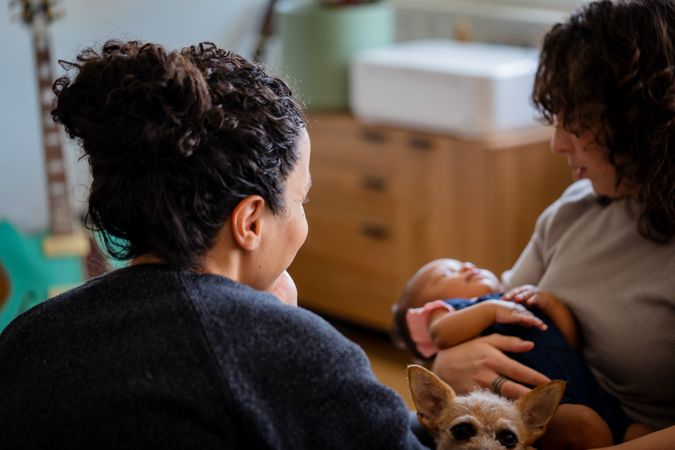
x=447, y=278
x=437, y=280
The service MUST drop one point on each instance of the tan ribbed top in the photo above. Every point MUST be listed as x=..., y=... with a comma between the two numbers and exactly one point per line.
x=621, y=289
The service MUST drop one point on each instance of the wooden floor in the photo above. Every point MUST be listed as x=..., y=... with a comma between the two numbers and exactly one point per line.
x=388, y=363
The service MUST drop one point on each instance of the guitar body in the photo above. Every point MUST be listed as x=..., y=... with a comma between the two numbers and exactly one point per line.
x=31, y=276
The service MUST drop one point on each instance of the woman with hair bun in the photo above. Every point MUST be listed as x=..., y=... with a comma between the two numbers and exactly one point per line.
x=200, y=169
x=606, y=247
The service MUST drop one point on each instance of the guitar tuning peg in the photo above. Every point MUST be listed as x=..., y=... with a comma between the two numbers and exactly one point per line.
x=23, y=10
x=55, y=15
x=47, y=7
x=27, y=16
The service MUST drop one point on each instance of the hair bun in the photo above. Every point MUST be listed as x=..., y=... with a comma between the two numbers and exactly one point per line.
x=135, y=102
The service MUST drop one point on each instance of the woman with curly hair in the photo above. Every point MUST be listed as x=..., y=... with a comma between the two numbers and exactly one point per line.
x=605, y=248
x=200, y=169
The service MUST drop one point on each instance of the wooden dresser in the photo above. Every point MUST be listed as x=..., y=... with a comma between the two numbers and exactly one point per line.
x=385, y=201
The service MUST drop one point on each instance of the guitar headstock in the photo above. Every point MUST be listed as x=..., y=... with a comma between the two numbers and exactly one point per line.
x=31, y=11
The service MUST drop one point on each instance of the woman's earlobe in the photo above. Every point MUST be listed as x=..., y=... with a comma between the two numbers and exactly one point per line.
x=247, y=222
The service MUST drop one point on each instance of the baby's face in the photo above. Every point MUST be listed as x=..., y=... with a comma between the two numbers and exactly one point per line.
x=449, y=278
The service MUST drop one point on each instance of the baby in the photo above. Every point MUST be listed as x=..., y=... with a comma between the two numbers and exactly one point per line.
x=448, y=302
x=466, y=285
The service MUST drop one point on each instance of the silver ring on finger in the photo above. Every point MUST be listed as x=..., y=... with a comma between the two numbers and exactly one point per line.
x=497, y=383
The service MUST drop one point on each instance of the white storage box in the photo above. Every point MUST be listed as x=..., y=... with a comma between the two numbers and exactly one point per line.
x=466, y=89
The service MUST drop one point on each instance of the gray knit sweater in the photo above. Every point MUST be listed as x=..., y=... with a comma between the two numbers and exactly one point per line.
x=149, y=357
x=621, y=289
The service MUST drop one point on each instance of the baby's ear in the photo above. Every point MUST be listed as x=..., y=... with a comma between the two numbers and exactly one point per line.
x=430, y=394
x=538, y=406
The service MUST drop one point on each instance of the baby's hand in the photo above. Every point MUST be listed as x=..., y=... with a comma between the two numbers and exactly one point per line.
x=529, y=295
x=509, y=312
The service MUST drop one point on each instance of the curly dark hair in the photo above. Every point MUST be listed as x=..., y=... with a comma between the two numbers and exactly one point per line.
x=174, y=140
x=611, y=68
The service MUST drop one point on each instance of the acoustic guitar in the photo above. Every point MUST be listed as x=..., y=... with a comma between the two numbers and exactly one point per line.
x=36, y=267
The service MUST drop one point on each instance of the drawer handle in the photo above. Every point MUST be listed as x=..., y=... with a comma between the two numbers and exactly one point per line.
x=420, y=143
x=374, y=183
x=373, y=136
x=375, y=231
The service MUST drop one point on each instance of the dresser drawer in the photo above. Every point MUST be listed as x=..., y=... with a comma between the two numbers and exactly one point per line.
x=344, y=291
x=367, y=242
x=341, y=139
x=367, y=189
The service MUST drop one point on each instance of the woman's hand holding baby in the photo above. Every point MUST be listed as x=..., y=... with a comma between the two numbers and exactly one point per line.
x=476, y=363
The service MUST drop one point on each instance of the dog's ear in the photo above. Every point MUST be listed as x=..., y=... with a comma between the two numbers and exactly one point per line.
x=430, y=395
x=538, y=406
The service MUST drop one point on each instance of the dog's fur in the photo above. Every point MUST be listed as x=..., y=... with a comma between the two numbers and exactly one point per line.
x=481, y=420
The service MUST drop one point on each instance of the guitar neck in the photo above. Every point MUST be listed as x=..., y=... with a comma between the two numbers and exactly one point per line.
x=60, y=210
x=266, y=30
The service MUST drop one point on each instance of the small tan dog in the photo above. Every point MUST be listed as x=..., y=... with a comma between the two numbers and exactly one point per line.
x=481, y=420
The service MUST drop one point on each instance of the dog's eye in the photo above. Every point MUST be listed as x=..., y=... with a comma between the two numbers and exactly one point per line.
x=507, y=438
x=463, y=431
